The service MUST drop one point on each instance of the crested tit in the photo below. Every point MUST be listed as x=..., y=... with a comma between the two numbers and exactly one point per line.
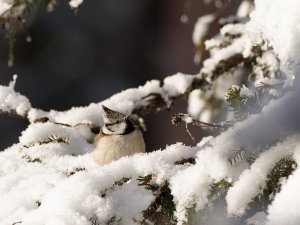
x=117, y=138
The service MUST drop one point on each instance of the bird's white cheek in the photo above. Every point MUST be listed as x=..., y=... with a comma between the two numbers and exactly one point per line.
x=116, y=129
x=106, y=131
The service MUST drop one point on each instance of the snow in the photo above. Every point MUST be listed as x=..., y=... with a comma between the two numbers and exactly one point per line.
x=11, y=9
x=201, y=32
x=75, y=199
x=197, y=180
x=194, y=103
x=241, y=45
x=233, y=29
x=129, y=205
x=13, y=101
x=50, y=153
x=287, y=199
x=245, y=8
x=197, y=106
x=212, y=165
x=125, y=101
x=258, y=219
x=279, y=24
x=244, y=91
x=57, y=159
x=177, y=84
x=253, y=180
x=202, y=27
x=285, y=206
x=75, y=3
x=14, y=8
x=60, y=201
x=266, y=68
x=212, y=43
x=5, y=6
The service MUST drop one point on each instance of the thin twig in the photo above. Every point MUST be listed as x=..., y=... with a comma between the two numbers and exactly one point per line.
x=17, y=222
x=186, y=118
x=94, y=129
x=190, y=134
x=265, y=85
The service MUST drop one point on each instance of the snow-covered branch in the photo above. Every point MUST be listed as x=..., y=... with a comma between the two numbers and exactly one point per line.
x=13, y=103
x=74, y=181
x=149, y=98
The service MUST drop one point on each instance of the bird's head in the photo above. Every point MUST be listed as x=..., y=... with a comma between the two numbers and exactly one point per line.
x=116, y=123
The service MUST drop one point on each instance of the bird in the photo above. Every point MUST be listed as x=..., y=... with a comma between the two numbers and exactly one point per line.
x=117, y=138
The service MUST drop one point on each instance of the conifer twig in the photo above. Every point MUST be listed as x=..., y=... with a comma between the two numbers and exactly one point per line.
x=187, y=119
x=181, y=117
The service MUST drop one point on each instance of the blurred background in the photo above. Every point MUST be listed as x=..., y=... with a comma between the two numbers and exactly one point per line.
x=108, y=46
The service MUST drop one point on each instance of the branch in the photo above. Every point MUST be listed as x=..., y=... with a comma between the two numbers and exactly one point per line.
x=154, y=96
x=187, y=119
x=181, y=117
x=156, y=102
